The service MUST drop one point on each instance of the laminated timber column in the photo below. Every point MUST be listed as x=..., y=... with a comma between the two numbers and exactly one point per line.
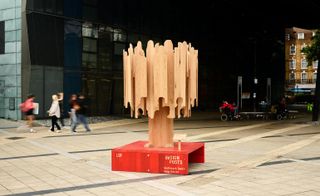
x=163, y=84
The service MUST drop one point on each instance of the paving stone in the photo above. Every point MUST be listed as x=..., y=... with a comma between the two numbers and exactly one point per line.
x=80, y=164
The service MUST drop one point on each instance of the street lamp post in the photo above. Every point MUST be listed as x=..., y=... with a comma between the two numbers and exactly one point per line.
x=255, y=83
x=255, y=79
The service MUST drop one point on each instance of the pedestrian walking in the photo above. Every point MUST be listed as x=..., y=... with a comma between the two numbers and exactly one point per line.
x=54, y=112
x=81, y=113
x=27, y=108
x=73, y=105
x=60, y=100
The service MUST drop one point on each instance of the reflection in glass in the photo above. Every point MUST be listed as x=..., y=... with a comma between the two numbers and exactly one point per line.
x=89, y=30
x=89, y=45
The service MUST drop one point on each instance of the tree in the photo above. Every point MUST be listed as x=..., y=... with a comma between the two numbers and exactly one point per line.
x=312, y=53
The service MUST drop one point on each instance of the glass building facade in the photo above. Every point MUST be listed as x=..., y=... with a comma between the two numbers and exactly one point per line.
x=71, y=46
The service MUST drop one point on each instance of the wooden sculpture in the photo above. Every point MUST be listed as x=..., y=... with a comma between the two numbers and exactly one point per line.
x=163, y=84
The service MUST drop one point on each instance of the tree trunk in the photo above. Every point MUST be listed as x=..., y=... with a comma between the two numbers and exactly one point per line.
x=315, y=110
x=161, y=129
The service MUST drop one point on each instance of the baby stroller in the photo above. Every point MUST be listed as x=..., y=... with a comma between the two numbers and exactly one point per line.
x=228, y=111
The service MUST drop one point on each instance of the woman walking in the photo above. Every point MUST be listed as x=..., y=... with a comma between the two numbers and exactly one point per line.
x=54, y=112
x=27, y=108
x=60, y=100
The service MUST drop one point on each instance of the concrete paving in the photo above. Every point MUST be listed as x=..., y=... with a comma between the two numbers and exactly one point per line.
x=246, y=157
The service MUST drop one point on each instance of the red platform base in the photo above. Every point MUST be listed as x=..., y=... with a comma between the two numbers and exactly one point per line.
x=135, y=157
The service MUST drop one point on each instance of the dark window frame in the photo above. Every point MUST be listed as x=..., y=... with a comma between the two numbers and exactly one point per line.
x=2, y=37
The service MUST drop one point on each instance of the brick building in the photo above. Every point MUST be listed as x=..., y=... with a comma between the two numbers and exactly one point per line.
x=300, y=76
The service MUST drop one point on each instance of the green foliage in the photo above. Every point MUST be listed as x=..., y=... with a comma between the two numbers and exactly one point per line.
x=312, y=52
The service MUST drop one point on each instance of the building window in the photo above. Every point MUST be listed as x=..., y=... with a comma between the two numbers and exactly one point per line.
x=89, y=30
x=2, y=37
x=292, y=77
x=89, y=60
x=314, y=77
x=304, y=64
x=292, y=64
x=300, y=35
x=303, y=77
x=89, y=45
x=292, y=49
x=119, y=35
x=288, y=36
x=315, y=64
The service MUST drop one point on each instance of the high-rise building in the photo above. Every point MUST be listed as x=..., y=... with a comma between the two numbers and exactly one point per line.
x=300, y=76
x=74, y=46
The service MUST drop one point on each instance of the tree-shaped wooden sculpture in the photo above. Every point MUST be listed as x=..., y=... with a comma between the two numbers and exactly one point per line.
x=162, y=84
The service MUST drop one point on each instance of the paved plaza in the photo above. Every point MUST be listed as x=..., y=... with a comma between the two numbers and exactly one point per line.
x=247, y=157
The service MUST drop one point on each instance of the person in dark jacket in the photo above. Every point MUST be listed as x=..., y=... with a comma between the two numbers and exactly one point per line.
x=73, y=105
x=81, y=112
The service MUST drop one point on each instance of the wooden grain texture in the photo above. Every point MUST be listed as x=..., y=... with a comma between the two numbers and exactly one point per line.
x=162, y=84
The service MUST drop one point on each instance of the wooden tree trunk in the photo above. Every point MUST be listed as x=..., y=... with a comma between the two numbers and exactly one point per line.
x=161, y=129
x=315, y=110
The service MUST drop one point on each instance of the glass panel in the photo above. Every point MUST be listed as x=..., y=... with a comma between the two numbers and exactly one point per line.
x=300, y=35
x=92, y=95
x=104, y=96
x=89, y=60
x=18, y=36
x=118, y=48
x=91, y=88
x=89, y=13
x=105, y=59
x=292, y=76
x=46, y=34
x=89, y=30
x=119, y=35
x=315, y=64
x=10, y=25
x=7, y=4
x=105, y=33
x=105, y=54
x=304, y=77
x=292, y=49
x=304, y=63
x=292, y=64
x=89, y=45
x=10, y=36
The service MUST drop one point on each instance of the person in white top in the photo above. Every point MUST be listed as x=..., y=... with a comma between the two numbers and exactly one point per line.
x=54, y=112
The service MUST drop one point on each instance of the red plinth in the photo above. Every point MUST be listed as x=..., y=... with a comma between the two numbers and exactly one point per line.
x=137, y=158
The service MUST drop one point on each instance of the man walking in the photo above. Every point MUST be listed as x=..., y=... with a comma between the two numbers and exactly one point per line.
x=81, y=113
